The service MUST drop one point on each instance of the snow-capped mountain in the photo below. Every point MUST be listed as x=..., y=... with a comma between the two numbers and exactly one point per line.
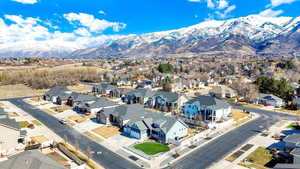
x=251, y=35
x=37, y=49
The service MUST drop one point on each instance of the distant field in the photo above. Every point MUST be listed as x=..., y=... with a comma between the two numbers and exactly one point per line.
x=39, y=80
x=11, y=91
x=19, y=90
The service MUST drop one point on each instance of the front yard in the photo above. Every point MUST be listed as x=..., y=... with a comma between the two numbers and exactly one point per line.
x=151, y=148
x=259, y=159
x=107, y=131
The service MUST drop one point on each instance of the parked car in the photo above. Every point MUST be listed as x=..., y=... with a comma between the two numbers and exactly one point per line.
x=64, y=122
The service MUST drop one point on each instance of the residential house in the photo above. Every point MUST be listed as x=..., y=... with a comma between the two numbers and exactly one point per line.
x=30, y=160
x=271, y=100
x=296, y=101
x=183, y=84
x=118, y=92
x=57, y=95
x=145, y=84
x=76, y=98
x=207, y=109
x=93, y=106
x=137, y=122
x=122, y=82
x=166, y=101
x=292, y=144
x=103, y=89
x=223, y=92
x=137, y=96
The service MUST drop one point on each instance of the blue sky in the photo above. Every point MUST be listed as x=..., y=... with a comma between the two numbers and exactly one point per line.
x=91, y=18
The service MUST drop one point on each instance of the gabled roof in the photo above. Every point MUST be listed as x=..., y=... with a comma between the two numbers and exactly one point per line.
x=97, y=103
x=7, y=122
x=30, y=160
x=104, y=86
x=296, y=100
x=222, y=89
x=81, y=97
x=294, y=138
x=58, y=91
x=269, y=97
x=135, y=114
x=210, y=102
x=296, y=152
x=141, y=92
x=168, y=96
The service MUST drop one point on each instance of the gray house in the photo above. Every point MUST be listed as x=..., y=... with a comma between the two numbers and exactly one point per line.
x=296, y=101
x=57, y=95
x=292, y=142
x=93, y=106
x=166, y=101
x=136, y=122
x=137, y=96
x=269, y=99
x=103, y=89
x=76, y=98
x=30, y=160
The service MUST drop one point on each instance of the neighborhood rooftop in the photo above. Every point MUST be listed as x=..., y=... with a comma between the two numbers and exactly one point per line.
x=30, y=160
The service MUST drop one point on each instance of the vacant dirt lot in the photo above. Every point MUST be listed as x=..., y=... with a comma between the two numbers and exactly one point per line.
x=107, y=131
x=11, y=91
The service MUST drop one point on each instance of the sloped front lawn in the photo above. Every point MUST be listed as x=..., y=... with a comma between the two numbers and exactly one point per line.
x=151, y=148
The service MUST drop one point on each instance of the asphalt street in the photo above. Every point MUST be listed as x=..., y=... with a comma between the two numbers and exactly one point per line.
x=217, y=149
x=101, y=155
x=201, y=158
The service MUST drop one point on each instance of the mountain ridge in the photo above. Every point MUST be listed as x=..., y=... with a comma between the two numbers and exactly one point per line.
x=252, y=35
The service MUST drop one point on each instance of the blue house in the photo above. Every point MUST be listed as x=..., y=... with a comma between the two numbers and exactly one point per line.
x=206, y=108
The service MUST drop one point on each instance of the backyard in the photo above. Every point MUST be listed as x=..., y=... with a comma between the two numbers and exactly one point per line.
x=151, y=148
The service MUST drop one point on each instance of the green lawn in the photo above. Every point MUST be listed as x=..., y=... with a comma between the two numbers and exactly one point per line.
x=36, y=122
x=259, y=158
x=23, y=124
x=151, y=148
x=293, y=126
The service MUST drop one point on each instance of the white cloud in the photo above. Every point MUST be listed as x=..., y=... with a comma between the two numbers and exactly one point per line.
x=220, y=8
x=102, y=12
x=270, y=13
x=26, y=1
x=222, y=4
x=225, y=13
x=210, y=3
x=275, y=3
x=82, y=32
x=92, y=23
x=19, y=30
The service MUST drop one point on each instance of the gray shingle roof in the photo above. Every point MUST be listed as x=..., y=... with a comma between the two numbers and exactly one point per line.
x=30, y=160
x=136, y=114
x=97, y=103
x=141, y=92
x=58, y=91
x=294, y=138
x=269, y=97
x=296, y=152
x=104, y=86
x=210, y=102
x=7, y=122
x=296, y=101
x=168, y=96
x=77, y=97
